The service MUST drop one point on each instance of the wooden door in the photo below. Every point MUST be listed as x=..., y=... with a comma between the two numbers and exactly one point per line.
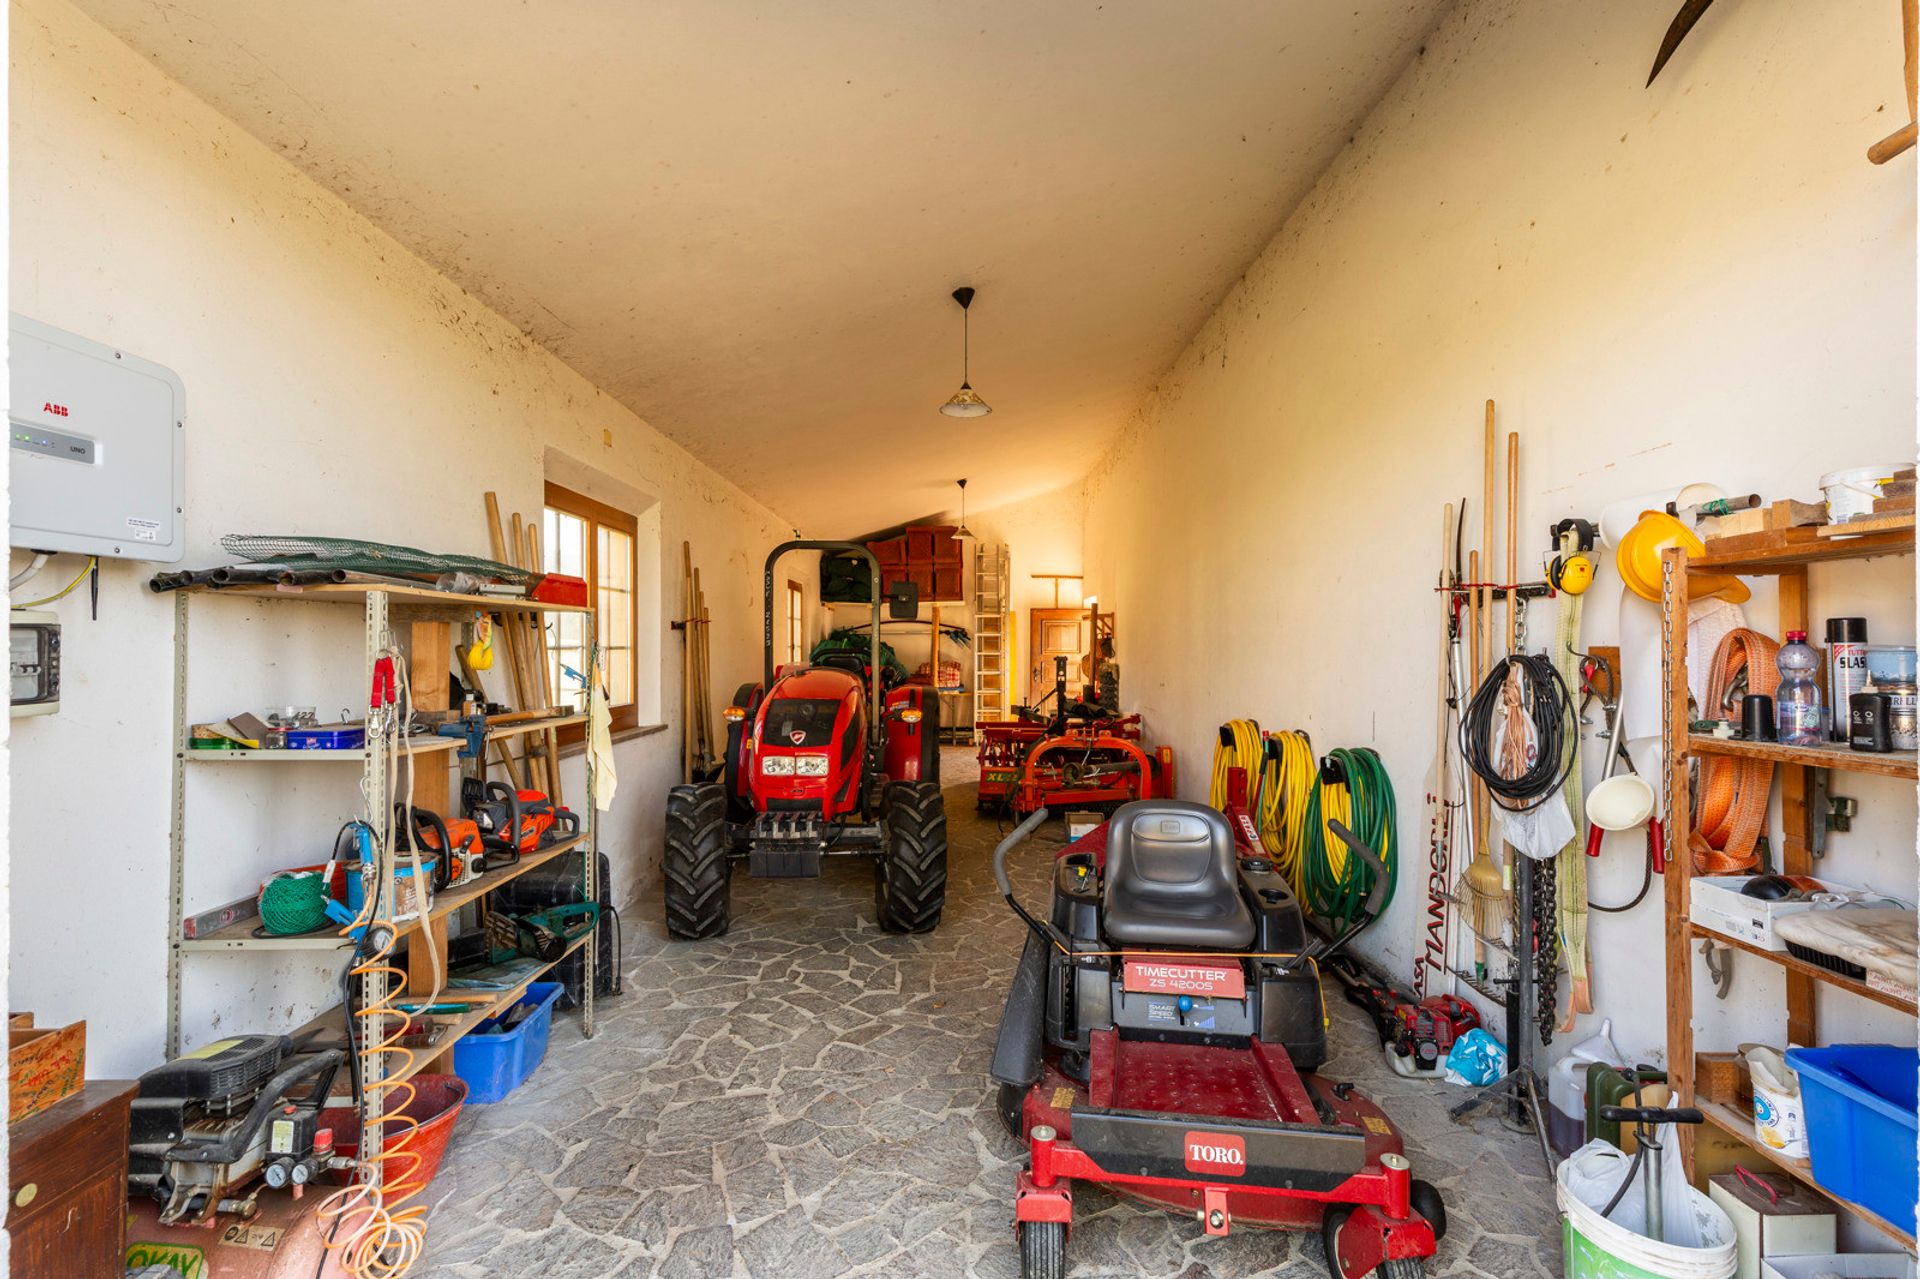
x=1057, y=632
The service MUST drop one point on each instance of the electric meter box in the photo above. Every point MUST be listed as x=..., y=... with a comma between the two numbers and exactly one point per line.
x=97, y=448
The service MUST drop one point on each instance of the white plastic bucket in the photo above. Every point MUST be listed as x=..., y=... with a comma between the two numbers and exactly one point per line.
x=1596, y=1248
x=1850, y=493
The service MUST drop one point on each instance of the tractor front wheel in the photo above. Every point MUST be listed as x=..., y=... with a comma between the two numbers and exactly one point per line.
x=910, y=880
x=1043, y=1250
x=697, y=870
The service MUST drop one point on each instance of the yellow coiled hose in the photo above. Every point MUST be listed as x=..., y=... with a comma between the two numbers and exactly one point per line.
x=1286, y=790
x=1238, y=747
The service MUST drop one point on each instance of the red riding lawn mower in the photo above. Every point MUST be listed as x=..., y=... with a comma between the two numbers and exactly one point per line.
x=821, y=759
x=1078, y=758
x=1161, y=1038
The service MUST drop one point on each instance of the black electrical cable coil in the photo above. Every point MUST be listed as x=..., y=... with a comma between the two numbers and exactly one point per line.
x=1556, y=726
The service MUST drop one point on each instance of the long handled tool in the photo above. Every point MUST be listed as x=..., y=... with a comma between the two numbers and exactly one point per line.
x=1433, y=955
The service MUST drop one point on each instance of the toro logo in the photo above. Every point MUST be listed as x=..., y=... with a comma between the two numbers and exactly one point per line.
x=58, y=410
x=1219, y=1153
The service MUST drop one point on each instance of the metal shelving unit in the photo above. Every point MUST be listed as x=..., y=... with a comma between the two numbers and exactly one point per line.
x=1786, y=556
x=430, y=615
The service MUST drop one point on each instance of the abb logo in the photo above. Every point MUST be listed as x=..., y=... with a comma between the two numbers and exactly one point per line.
x=1216, y=1152
x=58, y=410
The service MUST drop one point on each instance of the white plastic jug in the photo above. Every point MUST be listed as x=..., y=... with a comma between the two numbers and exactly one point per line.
x=1567, y=1087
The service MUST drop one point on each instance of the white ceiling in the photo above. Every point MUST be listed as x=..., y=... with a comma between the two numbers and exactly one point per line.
x=743, y=218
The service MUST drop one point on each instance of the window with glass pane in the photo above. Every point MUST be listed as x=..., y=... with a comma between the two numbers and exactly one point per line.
x=594, y=542
x=796, y=623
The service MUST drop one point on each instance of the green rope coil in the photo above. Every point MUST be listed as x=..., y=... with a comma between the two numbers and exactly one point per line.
x=1335, y=882
x=293, y=902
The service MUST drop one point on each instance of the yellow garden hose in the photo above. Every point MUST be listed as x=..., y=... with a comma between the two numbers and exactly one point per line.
x=1286, y=791
x=1238, y=747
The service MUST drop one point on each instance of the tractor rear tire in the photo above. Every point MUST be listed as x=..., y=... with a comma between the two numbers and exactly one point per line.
x=910, y=879
x=697, y=869
x=1043, y=1250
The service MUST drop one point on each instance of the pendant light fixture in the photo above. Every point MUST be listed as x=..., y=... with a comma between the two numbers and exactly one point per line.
x=966, y=401
x=963, y=530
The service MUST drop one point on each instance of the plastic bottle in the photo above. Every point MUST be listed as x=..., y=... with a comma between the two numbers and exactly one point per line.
x=1797, y=703
x=1567, y=1088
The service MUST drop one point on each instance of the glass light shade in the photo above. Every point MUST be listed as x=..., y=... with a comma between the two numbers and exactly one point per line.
x=966, y=402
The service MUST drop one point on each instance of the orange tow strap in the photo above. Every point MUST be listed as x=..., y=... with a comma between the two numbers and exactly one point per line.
x=1733, y=792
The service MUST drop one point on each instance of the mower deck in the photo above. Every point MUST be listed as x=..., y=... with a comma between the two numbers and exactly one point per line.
x=1301, y=1144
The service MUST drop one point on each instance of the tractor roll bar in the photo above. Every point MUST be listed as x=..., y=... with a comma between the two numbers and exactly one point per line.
x=877, y=704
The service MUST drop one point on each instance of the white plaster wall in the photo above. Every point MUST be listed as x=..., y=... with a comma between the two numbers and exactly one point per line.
x=1704, y=280
x=335, y=385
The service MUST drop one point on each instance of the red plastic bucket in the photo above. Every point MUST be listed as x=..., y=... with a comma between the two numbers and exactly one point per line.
x=412, y=1154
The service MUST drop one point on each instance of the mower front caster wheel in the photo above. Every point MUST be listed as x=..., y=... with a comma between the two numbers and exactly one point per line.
x=1043, y=1250
x=1397, y=1268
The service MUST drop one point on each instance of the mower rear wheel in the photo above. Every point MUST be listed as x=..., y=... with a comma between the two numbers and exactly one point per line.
x=696, y=868
x=910, y=880
x=1043, y=1250
x=1396, y=1268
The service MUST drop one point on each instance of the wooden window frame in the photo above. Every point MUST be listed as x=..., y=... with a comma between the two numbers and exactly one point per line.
x=597, y=515
x=796, y=621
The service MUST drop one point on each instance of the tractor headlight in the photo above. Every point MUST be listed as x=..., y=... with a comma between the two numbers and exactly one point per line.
x=810, y=765
x=776, y=765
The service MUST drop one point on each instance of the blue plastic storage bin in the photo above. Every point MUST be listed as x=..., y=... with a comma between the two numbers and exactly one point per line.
x=1860, y=1102
x=494, y=1064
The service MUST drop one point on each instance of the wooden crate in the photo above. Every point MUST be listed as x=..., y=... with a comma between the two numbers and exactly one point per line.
x=44, y=1064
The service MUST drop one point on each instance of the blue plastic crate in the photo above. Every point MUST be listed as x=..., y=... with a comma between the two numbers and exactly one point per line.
x=494, y=1064
x=1860, y=1102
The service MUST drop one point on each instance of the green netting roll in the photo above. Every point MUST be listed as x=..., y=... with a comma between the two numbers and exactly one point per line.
x=293, y=902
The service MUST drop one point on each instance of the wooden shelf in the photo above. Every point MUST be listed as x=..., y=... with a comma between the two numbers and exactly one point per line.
x=452, y=1031
x=1740, y=1128
x=1892, y=764
x=397, y=597
x=239, y=935
x=1761, y=553
x=1853, y=985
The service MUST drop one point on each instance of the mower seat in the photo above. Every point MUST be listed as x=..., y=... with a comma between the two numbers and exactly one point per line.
x=1172, y=878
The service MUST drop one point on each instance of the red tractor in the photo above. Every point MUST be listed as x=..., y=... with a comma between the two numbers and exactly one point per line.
x=822, y=759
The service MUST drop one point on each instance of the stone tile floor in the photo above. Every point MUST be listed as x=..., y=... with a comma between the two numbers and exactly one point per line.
x=807, y=1097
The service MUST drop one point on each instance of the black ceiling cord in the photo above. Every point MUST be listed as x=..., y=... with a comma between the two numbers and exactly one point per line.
x=1556, y=726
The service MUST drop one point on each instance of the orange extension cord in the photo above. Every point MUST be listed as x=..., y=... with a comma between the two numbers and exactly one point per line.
x=1732, y=809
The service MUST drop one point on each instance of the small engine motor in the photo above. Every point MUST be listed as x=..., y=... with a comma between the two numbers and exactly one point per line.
x=206, y=1124
x=1426, y=1030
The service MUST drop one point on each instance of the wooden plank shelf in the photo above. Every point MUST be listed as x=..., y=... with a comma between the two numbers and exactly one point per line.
x=239, y=935
x=398, y=597
x=1761, y=553
x=1740, y=1128
x=1900, y=764
x=1904, y=1003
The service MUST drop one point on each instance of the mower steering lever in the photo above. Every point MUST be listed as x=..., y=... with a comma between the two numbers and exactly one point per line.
x=1045, y=932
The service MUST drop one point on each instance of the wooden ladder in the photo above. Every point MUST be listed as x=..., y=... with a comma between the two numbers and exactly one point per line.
x=990, y=632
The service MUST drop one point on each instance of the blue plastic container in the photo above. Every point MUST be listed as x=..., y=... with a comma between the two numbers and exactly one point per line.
x=495, y=1062
x=1860, y=1102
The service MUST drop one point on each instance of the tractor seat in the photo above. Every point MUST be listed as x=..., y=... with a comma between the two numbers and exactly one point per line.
x=1172, y=878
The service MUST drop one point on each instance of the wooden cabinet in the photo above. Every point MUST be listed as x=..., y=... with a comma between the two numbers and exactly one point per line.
x=67, y=1192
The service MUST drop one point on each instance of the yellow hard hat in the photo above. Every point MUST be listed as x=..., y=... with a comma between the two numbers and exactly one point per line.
x=1638, y=559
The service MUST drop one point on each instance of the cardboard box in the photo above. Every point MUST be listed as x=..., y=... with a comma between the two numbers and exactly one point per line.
x=1717, y=903
x=1082, y=823
x=1773, y=1216
x=44, y=1064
